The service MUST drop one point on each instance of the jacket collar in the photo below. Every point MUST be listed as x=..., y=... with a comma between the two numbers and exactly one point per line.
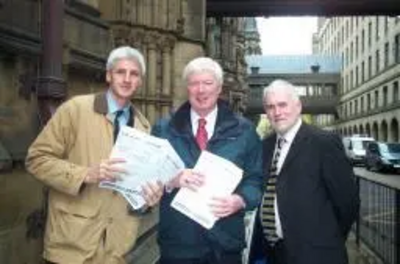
x=100, y=103
x=101, y=106
x=225, y=118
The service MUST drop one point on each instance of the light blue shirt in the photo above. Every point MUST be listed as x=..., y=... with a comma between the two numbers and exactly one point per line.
x=113, y=107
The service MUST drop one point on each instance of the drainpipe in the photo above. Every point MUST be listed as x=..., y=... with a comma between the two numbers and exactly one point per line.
x=50, y=91
x=51, y=88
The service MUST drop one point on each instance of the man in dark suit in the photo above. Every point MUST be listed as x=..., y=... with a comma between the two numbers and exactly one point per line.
x=311, y=199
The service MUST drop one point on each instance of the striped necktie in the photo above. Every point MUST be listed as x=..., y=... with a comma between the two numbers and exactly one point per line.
x=267, y=211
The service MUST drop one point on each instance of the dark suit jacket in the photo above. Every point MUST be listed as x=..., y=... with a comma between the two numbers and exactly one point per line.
x=317, y=198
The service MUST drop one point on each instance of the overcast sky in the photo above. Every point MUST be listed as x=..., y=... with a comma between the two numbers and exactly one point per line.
x=286, y=35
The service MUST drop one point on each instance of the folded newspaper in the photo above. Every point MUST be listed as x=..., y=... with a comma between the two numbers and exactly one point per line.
x=221, y=178
x=148, y=159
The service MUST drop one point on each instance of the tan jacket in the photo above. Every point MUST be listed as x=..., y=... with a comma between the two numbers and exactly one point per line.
x=80, y=135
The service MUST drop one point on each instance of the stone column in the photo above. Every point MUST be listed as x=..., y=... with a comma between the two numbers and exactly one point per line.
x=166, y=71
x=139, y=12
x=143, y=89
x=146, y=12
x=163, y=14
x=155, y=13
x=225, y=41
x=151, y=79
x=152, y=69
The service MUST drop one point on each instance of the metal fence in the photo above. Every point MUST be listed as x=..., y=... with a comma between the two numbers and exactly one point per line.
x=378, y=225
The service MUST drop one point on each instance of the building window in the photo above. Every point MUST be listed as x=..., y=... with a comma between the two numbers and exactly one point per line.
x=368, y=101
x=351, y=52
x=377, y=28
x=362, y=41
x=351, y=79
x=377, y=59
x=376, y=99
x=356, y=44
x=351, y=109
x=362, y=104
x=397, y=48
x=362, y=72
x=356, y=107
x=356, y=73
x=369, y=34
x=385, y=95
x=386, y=57
x=386, y=29
x=395, y=91
x=369, y=67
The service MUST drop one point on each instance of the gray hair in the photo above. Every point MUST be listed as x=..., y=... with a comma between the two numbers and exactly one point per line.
x=281, y=85
x=126, y=52
x=201, y=65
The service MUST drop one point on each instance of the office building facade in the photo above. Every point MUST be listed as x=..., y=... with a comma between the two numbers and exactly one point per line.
x=369, y=92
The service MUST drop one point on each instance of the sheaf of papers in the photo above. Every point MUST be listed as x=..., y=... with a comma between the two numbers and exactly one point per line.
x=148, y=159
x=221, y=179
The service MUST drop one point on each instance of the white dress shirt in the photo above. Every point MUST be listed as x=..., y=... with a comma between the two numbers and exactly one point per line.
x=211, y=119
x=288, y=139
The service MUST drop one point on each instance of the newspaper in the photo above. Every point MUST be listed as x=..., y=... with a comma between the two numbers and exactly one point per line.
x=221, y=179
x=148, y=159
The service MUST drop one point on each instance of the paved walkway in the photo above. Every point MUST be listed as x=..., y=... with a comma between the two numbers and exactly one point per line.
x=360, y=254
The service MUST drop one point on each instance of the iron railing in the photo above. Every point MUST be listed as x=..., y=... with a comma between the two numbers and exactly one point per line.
x=378, y=225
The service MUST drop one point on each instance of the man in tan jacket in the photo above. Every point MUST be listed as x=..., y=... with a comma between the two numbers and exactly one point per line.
x=87, y=224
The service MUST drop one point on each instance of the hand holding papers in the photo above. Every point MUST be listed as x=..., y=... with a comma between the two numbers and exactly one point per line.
x=148, y=159
x=221, y=179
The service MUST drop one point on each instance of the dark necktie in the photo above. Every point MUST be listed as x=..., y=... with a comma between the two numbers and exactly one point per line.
x=201, y=135
x=267, y=212
x=118, y=115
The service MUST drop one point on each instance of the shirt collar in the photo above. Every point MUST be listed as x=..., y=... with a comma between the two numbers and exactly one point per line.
x=210, y=118
x=291, y=133
x=113, y=105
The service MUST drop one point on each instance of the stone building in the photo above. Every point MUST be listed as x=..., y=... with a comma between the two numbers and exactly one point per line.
x=369, y=93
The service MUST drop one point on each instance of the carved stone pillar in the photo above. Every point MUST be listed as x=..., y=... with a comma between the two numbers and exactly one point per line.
x=166, y=71
x=151, y=112
x=146, y=12
x=225, y=40
x=152, y=69
x=163, y=9
x=155, y=13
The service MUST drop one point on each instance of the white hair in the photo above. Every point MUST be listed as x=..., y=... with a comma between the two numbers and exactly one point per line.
x=126, y=52
x=281, y=85
x=201, y=65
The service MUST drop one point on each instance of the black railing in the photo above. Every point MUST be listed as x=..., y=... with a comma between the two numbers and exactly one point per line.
x=378, y=226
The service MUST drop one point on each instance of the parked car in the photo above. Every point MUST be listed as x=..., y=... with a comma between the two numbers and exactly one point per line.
x=383, y=156
x=355, y=147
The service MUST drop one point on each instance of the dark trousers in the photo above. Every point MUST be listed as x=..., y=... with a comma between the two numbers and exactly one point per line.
x=214, y=258
x=262, y=251
x=276, y=254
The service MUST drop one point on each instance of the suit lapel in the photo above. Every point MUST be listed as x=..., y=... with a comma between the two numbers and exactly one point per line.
x=268, y=153
x=297, y=144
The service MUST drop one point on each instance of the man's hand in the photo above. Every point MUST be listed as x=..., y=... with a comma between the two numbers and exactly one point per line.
x=152, y=193
x=187, y=178
x=107, y=170
x=226, y=206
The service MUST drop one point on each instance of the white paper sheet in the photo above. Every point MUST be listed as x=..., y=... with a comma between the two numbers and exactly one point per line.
x=148, y=159
x=221, y=179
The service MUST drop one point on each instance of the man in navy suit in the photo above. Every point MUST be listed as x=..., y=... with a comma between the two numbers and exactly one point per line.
x=311, y=199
